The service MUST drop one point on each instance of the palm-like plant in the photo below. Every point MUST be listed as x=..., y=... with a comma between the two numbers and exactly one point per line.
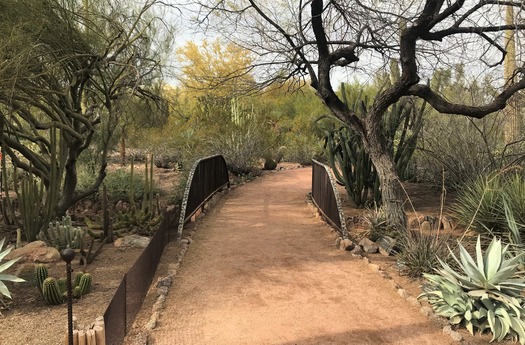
x=4, y=291
x=484, y=295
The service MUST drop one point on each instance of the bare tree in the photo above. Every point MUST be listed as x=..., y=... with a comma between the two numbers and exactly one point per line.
x=72, y=66
x=310, y=39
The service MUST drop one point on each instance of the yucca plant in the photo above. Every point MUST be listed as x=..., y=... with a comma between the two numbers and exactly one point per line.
x=484, y=295
x=419, y=251
x=4, y=291
x=478, y=204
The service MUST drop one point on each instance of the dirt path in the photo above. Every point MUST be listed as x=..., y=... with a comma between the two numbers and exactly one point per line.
x=263, y=270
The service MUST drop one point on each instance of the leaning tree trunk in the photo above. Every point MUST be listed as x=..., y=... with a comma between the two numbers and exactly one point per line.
x=391, y=190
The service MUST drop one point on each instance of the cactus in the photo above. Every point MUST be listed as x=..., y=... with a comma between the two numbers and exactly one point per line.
x=351, y=164
x=36, y=201
x=54, y=291
x=62, y=285
x=78, y=276
x=63, y=235
x=84, y=285
x=142, y=217
x=41, y=273
x=51, y=292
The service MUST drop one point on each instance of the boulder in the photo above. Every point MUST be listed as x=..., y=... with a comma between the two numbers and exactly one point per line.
x=387, y=245
x=36, y=251
x=132, y=241
x=368, y=246
x=346, y=244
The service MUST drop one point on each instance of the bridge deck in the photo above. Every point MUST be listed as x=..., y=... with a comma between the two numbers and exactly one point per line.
x=263, y=270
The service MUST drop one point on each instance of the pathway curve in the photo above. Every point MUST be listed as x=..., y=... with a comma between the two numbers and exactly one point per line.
x=263, y=270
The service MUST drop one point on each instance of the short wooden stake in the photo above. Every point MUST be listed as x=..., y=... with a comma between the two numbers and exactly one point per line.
x=100, y=335
x=81, y=338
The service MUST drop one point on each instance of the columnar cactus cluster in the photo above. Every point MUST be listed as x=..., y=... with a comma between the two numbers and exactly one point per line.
x=54, y=291
x=62, y=234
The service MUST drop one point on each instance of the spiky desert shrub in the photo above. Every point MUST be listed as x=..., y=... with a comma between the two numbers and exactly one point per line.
x=4, y=291
x=480, y=203
x=483, y=293
x=419, y=252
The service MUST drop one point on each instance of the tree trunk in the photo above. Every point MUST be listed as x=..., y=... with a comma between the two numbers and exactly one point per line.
x=123, y=147
x=392, y=195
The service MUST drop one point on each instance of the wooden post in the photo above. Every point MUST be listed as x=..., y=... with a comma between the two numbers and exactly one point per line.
x=82, y=338
x=100, y=335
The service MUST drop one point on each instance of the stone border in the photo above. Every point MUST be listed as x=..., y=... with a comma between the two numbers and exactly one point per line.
x=163, y=284
x=413, y=301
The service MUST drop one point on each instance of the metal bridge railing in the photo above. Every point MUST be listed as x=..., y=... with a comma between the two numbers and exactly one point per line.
x=326, y=197
x=208, y=176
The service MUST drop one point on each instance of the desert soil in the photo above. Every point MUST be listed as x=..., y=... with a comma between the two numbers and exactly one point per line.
x=263, y=270
x=28, y=320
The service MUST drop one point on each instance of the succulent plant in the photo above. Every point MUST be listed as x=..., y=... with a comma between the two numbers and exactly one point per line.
x=62, y=234
x=41, y=273
x=4, y=291
x=485, y=295
x=54, y=291
x=51, y=292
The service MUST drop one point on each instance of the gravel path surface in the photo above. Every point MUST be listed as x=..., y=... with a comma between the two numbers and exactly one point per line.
x=263, y=270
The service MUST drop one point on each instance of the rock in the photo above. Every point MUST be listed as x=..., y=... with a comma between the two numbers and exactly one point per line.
x=427, y=311
x=36, y=251
x=446, y=223
x=166, y=281
x=346, y=244
x=27, y=271
x=132, y=241
x=357, y=251
x=456, y=336
x=368, y=246
x=387, y=245
x=374, y=267
x=413, y=301
x=425, y=226
x=403, y=293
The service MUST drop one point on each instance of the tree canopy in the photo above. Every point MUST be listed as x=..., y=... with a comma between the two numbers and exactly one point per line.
x=71, y=66
x=312, y=39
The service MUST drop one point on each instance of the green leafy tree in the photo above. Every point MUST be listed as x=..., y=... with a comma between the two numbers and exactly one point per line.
x=72, y=66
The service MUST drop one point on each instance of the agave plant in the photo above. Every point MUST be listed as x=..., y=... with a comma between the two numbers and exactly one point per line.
x=6, y=277
x=485, y=295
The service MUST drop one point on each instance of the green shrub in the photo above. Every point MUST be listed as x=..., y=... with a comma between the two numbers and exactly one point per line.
x=242, y=146
x=480, y=202
x=302, y=148
x=376, y=221
x=484, y=294
x=119, y=184
x=419, y=252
